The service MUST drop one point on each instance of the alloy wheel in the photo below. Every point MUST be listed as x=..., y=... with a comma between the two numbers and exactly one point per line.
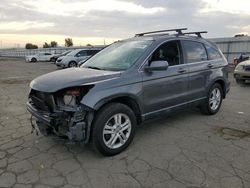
x=215, y=99
x=117, y=131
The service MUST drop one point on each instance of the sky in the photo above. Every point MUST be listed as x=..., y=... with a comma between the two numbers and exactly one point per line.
x=98, y=21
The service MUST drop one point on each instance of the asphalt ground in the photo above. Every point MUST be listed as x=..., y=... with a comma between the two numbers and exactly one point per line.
x=185, y=149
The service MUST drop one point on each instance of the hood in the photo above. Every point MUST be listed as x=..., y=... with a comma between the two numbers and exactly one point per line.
x=71, y=77
x=247, y=62
x=61, y=57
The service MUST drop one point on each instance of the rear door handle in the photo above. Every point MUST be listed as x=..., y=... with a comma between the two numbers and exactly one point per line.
x=182, y=70
x=210, y=65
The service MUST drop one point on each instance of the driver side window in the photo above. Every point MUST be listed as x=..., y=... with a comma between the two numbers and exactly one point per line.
x=169, y=51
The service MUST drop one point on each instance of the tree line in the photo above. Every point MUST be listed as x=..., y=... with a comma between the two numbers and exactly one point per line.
x=52, y=44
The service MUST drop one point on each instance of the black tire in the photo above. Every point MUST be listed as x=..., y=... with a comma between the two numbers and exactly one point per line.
x=206, y=107
x=240, y=81
x=72, y=64
x=33, y=59
x=103, y=117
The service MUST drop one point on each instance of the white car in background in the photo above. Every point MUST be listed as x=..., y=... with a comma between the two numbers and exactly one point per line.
x=42, y=56
x=73, y=58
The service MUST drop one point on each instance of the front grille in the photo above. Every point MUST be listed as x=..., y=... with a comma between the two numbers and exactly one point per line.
x=42, y=101
x=247, y=68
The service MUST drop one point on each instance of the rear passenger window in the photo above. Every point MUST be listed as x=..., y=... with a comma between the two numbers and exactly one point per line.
x=212, y=53
x=92, y=52
x=194, y=51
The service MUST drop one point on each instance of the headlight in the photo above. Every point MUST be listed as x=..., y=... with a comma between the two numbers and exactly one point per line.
x=239, y=67
x=69, y=100
x=70, y=97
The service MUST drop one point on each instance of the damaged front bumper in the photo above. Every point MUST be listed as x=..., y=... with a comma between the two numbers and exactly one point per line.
x=75, y=124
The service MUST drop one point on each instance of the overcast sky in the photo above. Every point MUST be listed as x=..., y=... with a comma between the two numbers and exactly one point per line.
x=92, y=21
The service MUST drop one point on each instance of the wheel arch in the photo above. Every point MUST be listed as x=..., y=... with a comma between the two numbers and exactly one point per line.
x=128, y=100
x=222, y=83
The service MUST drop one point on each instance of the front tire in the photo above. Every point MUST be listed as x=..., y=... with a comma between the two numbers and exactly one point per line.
x=213, y=101
x=113, y=128
x=72, y=64
x=33, y=60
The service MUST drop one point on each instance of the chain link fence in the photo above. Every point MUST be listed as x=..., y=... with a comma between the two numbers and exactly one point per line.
x=21, y=52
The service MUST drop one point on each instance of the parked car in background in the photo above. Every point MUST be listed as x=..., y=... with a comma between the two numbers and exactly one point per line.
x=127, y=83
x=56, y=56
x=241, y=58
x=73, y=58
x=242, y=72
x=42, y=56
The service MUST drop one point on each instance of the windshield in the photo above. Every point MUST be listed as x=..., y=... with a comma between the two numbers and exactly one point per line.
x=118, y=56
x=72, y=53
x=65, y=53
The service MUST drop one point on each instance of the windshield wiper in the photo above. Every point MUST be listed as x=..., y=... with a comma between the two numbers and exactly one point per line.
x=92, y=67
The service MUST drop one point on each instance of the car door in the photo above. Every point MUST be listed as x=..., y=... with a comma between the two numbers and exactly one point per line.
x=47, y=56
x=166, y=89
x=39, y=57
x=42, y=56
x=198, y=68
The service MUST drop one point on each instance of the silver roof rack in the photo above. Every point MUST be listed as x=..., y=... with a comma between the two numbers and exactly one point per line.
x=198, y=33
x=178, y=30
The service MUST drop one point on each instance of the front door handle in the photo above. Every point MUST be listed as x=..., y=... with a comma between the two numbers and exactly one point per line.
x=182, y=70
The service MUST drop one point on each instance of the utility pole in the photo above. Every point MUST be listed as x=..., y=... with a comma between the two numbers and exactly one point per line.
x=104, y=42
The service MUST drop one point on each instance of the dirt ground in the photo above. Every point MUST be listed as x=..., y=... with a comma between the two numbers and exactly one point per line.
x=186, y=149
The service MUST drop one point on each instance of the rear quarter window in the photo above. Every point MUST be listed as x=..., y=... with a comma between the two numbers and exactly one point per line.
x=213, y=53
x=194, y=51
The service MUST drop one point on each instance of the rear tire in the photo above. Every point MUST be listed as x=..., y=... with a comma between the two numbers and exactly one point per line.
x=72, y=64
x=113, y=128
x=213, y=101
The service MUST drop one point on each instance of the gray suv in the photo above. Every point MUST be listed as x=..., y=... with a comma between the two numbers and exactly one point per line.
x=127, y=83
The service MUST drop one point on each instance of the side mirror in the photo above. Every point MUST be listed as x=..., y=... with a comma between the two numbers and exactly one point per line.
x=156, y=66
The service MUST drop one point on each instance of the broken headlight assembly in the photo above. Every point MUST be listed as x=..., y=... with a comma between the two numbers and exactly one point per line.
x=71, y=97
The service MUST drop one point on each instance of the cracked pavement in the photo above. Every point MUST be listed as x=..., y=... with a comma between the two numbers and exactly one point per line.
x=185, y=149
